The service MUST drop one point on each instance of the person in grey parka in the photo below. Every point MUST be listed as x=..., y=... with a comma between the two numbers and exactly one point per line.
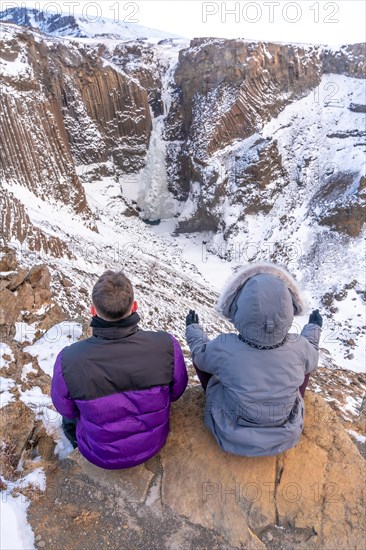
x=256, y=379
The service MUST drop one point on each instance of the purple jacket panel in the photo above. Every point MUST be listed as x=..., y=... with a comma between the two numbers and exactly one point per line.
x=180, y=377
x=126, y=428
x=60, y=395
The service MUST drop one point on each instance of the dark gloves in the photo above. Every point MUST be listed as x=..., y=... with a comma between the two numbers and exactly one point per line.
x=316, y=318
x=191, y=318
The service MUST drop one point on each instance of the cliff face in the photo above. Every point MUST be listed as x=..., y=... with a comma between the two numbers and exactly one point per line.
x=349, y=60
x=106, y=113
x=235, y=86
x=228, y=91
x=35, y=151
x=61, y=107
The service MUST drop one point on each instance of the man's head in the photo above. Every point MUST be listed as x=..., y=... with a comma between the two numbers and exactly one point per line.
x=113, y=297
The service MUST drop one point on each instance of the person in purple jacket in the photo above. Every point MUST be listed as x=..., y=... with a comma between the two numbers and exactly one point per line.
x=116, y=386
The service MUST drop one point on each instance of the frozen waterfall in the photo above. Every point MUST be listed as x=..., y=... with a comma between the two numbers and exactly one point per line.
x=155, y=200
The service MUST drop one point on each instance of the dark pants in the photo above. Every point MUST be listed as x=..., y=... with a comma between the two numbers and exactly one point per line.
x=69, y=428
x=204, y=377
x=303, y=386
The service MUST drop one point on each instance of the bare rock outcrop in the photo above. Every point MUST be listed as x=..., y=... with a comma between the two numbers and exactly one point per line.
x=242, y=84
x=308, y=497
x=26, y=298
x=350, y=60
x=15, y=419
x=340, y=210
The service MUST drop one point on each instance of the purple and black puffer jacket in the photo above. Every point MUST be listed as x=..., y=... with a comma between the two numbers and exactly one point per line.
x=119, y=384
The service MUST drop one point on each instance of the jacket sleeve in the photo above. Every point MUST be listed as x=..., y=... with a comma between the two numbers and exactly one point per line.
x=180, y=377
x=60, y=395
x=198, y=344
x=311, y=332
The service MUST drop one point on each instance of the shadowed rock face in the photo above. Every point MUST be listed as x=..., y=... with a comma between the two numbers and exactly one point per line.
x=349, y=60
x=342, y=211
x=240, y=86
x=226, y=90
x=194, y=494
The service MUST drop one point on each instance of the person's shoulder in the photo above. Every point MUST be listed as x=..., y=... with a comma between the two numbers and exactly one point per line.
x=77, y=346
x=298, y=343
x=151, y=331
x=155, y=334
x=156, y=339
x=224, y=339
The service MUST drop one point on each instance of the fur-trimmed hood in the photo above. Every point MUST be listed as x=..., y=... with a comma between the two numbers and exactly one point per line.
x=261, y=300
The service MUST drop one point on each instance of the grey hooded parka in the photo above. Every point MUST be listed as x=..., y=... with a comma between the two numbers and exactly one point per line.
x=253, y=403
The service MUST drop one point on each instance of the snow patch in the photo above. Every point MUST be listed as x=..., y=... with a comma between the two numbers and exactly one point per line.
x=6, y=397
x=52, y=342
x=5, y=351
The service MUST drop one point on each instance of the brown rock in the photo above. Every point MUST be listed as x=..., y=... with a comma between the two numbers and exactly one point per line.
x=348, y=60
x=4, y=283
x=41, y=296
x=66, y=283
x=362, y=185
x=17, y=279
x=341, y=295
x=8, y=259
x=39, y=276
x=304, y=489
x=227, y=493
x=18, y=224
x=350, y=285
x=348, y=219
x=233, y=502
x=25, y=297
x=46, y=447
x=9, y=310
x=313, y=490
x=16, y=428
x=328, y=299
x=132, y=485
x=53, y=316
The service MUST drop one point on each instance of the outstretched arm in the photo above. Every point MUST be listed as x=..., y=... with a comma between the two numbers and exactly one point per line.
x=60, y=394
x=198, y=342
x=312, y=332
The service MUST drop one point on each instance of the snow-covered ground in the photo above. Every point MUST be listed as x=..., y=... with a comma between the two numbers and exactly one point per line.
x=15, y=532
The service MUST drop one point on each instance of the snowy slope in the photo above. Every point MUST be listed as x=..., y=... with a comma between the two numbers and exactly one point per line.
x=91, y=25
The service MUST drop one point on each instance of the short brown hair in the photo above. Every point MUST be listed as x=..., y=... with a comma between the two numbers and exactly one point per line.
x=113, y=295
